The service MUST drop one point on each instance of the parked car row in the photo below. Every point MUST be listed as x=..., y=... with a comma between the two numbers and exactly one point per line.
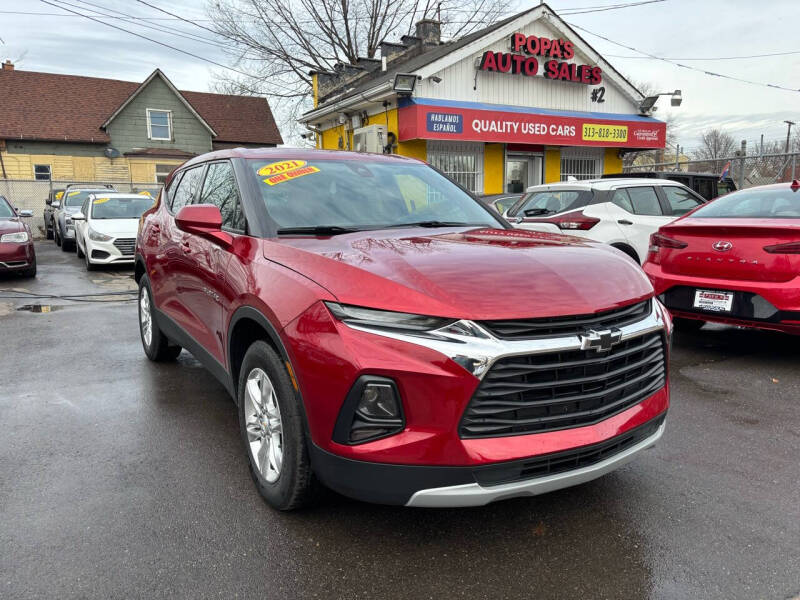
x=99, y=224
x=17, y=253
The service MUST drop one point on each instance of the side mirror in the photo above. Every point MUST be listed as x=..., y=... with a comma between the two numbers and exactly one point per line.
x=48, y=201
x=56, y=204
x=204, y=220
x=25, y=213
x=78, y=216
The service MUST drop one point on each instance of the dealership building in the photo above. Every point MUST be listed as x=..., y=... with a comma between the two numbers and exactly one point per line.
x=523, y=102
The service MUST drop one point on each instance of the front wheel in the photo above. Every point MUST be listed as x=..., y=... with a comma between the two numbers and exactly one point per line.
x=156, y=345
x=48, y=232
x=78, y=249
x=56, y=237
x=30, y=271
x=271, y=424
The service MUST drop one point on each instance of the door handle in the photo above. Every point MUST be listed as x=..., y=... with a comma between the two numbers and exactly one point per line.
x=625, y=222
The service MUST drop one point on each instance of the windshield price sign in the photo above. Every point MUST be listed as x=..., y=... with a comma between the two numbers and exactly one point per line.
x=604, y=133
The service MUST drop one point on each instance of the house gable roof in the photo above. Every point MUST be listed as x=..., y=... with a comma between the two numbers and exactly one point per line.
x=173, y=89
x=72, y=108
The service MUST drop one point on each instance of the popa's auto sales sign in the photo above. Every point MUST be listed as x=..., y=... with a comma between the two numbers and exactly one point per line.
x=419, y=121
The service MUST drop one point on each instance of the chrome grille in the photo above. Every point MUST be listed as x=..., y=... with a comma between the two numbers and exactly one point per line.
x=563, y=326
x=125, y=245
x=542, y=392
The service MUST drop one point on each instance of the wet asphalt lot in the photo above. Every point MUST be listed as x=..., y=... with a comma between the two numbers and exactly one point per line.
x=120, y=478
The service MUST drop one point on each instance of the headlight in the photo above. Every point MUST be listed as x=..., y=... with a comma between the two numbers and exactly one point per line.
x=99, y=237
x=18, y=238
x=386, y=319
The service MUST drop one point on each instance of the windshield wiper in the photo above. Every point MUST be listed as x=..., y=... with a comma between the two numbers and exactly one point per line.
x=534, y=212
x=439, y=224
x=316, y=230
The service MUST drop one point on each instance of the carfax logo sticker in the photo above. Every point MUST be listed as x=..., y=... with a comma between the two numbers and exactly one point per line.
x=285, y=170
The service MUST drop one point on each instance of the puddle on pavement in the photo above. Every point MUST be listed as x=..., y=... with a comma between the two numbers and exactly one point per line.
x=40, y=308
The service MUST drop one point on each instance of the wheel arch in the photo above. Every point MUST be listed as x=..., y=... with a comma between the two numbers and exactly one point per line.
x=627, y=249
x=139, y=268
x=248, y=325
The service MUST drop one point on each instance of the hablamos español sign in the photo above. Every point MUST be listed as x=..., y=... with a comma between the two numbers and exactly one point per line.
x=522, y=60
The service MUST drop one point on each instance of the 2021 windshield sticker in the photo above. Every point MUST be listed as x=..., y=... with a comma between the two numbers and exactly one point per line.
x=285, y=170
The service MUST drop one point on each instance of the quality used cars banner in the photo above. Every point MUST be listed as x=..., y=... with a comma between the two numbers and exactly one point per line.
x=486, y=123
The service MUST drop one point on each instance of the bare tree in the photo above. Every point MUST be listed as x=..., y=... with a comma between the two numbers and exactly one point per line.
x=280, y=41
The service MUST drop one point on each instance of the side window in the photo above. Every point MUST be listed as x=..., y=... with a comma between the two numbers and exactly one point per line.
x=187, y=187
x=622, y=200
x=220, y=190
x=680, y=201
x=169, y=193
x=704, y=187
x=645, y=201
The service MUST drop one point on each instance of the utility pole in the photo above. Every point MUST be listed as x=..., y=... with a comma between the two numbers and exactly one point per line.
x=788, y=133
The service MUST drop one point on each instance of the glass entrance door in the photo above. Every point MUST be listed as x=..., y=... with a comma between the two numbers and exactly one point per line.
x=522, y=172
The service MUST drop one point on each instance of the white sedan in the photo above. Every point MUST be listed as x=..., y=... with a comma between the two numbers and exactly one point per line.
x=106, y=227
x=621, y=212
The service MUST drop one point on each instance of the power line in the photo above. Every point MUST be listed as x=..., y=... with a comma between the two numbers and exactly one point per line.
x=197, y=56
x=592, y=9
x=709, y=57
x=677, y=64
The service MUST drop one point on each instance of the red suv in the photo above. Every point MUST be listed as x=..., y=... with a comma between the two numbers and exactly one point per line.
x=385, y=334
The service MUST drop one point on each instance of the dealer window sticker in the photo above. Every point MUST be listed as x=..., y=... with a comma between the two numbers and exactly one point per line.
x=73, y=193
x=285, y=170
x=101, y=200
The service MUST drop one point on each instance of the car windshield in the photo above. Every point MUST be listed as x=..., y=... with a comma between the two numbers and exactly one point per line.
x=6, y=212
x=120, y=207
x=363, y=194
x=783, y=203
x=76, y=197
x=550, y=202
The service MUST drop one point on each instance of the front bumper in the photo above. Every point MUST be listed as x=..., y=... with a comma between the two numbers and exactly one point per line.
x=431, y=453
x=104, y=253
x=442, y=487
x=15, y=256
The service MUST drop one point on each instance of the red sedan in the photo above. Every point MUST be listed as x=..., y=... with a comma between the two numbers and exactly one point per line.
x=16, y=244
x=735, y=260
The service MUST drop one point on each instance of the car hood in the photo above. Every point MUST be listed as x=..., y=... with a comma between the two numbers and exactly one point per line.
x=116, y=227
x=474, y=274
x=11, y=225
x=71, y=209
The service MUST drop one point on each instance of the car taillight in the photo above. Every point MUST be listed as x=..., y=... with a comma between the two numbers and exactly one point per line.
x=573, y=221
x=786, y=248
x=658, y=241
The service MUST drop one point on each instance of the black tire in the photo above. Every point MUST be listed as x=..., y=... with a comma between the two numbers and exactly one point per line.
x=89, y=265
x=66, y=245
x=159, y=349
x=48, y=232
x=687, y=324
x=56, y=237
x=30, y=271
x=79, y=251
x=296, y=485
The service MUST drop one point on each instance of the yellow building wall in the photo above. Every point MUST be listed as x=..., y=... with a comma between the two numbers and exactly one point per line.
x=612, y=162
x=493, y=168
x=84, y=168
x=329, y=138
x=552, y=165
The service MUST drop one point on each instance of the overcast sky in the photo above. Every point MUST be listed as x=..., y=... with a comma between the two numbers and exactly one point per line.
x=673, y=28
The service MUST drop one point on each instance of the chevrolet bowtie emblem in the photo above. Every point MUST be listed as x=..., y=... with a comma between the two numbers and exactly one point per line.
x=600, y=339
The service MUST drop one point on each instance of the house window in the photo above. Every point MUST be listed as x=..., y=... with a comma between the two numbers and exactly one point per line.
x=41, y=172
x=460, y=161
x=162, y=172
x=581, y=163
x=159, y=124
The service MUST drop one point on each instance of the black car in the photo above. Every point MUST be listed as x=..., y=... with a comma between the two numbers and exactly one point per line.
x=49, y=210
x=707, y=185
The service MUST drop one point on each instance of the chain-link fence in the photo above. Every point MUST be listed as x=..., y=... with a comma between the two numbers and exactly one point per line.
x=745, y=170
x=28, y=194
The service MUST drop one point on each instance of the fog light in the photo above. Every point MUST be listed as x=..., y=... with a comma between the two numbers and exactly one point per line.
x=378, y=401
x=372, y=410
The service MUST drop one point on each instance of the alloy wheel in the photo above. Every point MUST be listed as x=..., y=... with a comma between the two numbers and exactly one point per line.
x=263, y=424
x=145, y=316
